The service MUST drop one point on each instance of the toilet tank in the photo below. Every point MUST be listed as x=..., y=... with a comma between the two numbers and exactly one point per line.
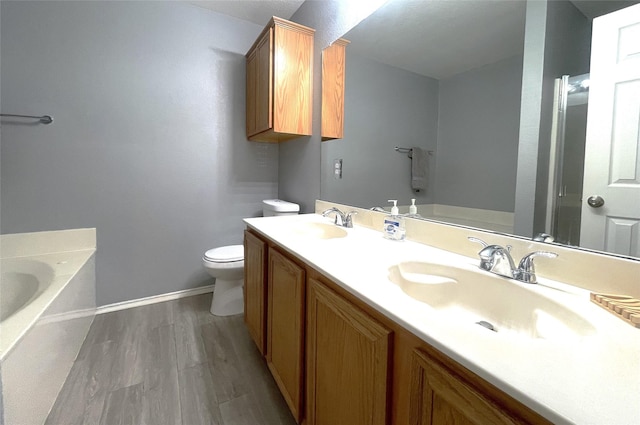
x=271, y=207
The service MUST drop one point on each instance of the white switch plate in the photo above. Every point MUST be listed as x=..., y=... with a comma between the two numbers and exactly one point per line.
x=337, y=169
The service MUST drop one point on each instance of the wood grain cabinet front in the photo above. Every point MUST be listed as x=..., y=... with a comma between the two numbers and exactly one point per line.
x=333, y=89
x=439, y=395
x=285, y=328
x=279, y=82
x=348, y=356
x=255, y=289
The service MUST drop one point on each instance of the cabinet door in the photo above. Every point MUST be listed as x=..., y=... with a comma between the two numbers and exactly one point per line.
x=264, y=83
x=347, y=362
x=252, y=84
x=285, y=328
x=255, y=289
x=333, y=73
x=440, y=397
x=259, y=86
x=293, y=54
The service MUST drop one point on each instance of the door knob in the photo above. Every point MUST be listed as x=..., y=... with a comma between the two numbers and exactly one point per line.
x=595, y=201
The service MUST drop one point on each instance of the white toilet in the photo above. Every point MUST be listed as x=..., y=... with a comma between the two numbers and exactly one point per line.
x=226, y=264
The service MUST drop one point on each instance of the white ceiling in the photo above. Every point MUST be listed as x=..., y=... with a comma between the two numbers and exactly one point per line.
x=436, y=38
x=440, y=38
x=256, y=11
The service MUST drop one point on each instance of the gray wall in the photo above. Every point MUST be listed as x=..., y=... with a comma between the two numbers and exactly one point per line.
x=386, y=107
x=148, y=142
x=478, y=126
x=557, y=42
x=299, y=159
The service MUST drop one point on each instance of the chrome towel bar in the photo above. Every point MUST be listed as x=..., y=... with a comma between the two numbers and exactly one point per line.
x=408, y=151
x=45, y=119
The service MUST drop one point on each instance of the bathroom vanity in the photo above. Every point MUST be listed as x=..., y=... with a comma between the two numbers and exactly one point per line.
x=347, y=345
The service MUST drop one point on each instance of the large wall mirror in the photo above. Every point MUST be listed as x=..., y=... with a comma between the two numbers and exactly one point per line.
x=471, y=84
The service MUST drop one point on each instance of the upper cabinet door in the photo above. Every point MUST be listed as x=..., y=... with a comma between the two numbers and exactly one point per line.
x=333, y=75
x=279, y=83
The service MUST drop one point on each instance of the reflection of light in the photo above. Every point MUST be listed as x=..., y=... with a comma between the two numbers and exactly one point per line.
x=585, y=83
x=281, y=59
x=349, y=14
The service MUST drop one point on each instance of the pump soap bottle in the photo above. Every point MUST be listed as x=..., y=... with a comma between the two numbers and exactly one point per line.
x=394, y=224
x=413, y=210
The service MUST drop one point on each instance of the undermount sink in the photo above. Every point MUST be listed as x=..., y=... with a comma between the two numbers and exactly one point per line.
x=319, y=230
x=496, y=303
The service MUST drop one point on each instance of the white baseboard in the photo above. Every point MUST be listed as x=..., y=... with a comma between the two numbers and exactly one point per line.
x=154, y=299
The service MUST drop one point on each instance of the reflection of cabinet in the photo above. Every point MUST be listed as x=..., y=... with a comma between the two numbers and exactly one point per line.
x=285, y=328
x=439, y=396
x=347, y=362
x=255, y=288
x=333, y=74
x=279, y=82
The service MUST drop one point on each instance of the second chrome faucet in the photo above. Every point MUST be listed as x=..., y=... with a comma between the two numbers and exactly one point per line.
x=342, y=219
x=497, y=259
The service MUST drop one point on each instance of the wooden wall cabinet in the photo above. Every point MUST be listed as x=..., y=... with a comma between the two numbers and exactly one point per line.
x=255, y=289
x=285, y=328
x=348, y=356
x=279, y=82
x=333, y=75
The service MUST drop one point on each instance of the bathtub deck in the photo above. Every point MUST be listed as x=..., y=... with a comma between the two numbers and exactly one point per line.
x=169, y=363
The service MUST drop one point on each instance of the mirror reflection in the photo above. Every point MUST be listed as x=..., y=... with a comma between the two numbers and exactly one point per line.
x=496, y=93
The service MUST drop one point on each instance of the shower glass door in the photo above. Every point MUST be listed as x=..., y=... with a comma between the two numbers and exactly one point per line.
x=571, y=125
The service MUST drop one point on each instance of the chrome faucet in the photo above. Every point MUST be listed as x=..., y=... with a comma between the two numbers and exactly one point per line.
x=526, y=269
x=342, y=219
x=497, y=259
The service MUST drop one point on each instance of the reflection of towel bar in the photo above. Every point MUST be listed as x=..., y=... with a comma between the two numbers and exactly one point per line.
x=45, y=119
x=408, y=151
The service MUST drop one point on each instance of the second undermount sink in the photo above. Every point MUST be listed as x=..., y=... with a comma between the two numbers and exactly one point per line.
x=478, y=297
x=318, y=230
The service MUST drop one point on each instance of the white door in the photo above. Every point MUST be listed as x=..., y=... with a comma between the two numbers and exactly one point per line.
x=612, y=153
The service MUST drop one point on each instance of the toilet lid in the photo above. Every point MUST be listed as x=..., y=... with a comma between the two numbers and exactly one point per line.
x=225, y=254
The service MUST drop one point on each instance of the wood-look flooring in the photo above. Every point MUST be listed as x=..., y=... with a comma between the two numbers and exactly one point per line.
x=169, y=363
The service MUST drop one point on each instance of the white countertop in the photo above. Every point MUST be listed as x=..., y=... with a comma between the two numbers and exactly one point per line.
x=585, y=380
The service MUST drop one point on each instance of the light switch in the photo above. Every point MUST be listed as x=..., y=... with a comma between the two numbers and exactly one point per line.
x=337, y=169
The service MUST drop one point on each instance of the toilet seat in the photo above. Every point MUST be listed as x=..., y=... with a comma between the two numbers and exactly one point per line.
x=225, y=254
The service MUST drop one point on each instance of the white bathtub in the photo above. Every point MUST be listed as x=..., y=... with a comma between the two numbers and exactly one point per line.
x=20, y=282
x=47, y=304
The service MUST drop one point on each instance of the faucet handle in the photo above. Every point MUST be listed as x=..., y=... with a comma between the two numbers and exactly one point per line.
x=348, y=221
x=339, y=216
x=526, y=268
x=480, y=241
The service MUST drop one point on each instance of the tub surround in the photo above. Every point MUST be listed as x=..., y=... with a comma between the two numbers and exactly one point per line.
x=583, y=379
x=65, y=252
x=41, y=340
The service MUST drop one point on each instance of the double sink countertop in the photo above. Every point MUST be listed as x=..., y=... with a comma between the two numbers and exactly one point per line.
x=584, y=378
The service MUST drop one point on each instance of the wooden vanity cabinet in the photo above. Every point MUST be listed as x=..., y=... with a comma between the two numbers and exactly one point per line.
x=285, y=328
x=439, y=396
x=255, y=289
x=348, y=355
x=279, y=82
x=333, y=90
x=339, y=361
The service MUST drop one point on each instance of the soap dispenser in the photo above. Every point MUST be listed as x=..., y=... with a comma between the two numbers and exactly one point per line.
x=393, y=228
x=413, y=210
